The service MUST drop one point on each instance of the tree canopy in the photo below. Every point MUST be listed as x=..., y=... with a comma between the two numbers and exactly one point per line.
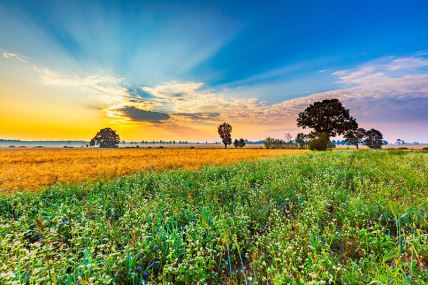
x=328, y=117
x=106, y=137
x=225, y=131
x=355, y=137
x=374, y=139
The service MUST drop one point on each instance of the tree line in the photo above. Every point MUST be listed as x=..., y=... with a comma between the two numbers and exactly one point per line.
x=326, y=119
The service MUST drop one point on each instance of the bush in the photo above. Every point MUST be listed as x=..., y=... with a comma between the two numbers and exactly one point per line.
x=320, y=142
x=425, y=148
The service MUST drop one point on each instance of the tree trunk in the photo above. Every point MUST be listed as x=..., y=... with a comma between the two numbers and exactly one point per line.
x=357, y=146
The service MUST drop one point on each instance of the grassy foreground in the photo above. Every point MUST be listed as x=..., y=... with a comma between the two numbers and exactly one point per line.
x=339, y=217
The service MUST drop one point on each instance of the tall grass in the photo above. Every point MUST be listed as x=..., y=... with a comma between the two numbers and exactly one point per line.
x=340, y=217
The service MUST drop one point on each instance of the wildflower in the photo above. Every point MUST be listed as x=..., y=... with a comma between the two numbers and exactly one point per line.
x=139, y=268
x=80, y=219
x=156, y=247
x=92, y=217
x=146, y=275
x=155, y=262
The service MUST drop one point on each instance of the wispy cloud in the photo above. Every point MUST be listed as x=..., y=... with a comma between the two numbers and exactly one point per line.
x=12, y=55
x=384, y=91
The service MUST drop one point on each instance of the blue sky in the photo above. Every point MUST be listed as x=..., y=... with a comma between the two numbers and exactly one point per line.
x=181, y=60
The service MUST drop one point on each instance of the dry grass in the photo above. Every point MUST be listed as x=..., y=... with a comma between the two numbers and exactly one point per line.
x=35, y=168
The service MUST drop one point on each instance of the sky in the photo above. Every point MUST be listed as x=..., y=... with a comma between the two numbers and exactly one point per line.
x=175, y=70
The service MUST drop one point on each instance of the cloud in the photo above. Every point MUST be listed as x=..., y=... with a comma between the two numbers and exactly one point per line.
x=140, y=115
x=173, y=90
x=386, y=91
x=12, y=55
x=199, y=116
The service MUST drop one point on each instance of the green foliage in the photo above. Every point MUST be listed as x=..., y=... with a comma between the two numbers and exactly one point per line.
x=320, y=141
x=302, y=140
x=272, y=143
x=106, y=138
x=343, y=217
x=355, y=137
x=328, y=117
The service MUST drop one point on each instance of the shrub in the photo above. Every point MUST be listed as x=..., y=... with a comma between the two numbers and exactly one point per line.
x=319, y=142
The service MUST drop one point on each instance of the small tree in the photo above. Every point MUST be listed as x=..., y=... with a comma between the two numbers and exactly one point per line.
x=241, y=143
x=106, y=138
x=328, y=117
x=302, y=140
x=319, y=142
x=236, y=143
x=374, y=139
x=355, y=137
x=225, y=130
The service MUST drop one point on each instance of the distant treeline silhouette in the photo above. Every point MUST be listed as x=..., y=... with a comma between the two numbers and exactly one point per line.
x=327, y=118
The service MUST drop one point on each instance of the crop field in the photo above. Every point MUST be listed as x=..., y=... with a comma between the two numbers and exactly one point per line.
x=31, y=169
x=344, y=217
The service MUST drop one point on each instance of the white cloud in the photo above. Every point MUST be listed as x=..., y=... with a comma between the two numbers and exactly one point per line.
x=12, y=55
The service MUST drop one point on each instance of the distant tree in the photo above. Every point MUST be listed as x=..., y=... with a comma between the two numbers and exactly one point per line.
x=319, y=142
x=302, y=140
x=355, y=137
x=374, y=139
x=225, y=130
x=236, y=143
x=328, y=117
x=241, y=143
x=268, y=142
x=287, y=137
x=105, y=138
x=398, y=142
x=272, y=143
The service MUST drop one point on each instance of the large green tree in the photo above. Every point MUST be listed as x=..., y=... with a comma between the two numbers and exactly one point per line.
x=106, y=137
x=225, y=133
x=328, y=117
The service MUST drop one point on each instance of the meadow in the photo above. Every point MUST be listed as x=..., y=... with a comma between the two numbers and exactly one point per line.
x=343, y=217
x=31, y=169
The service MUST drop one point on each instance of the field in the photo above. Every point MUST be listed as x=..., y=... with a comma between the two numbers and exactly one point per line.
x=34, y=168
x=344, y=217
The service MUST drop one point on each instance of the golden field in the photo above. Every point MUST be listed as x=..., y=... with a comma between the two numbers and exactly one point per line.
x=30, y=169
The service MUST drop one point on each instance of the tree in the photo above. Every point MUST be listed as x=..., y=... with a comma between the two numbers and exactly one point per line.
x=374, y=139
x=225, y=130
x=328, y=117
x=105, y=138
x=241, y=143
x=236, y=143
x=355, y=137
x=302, y=140
x=319, y=142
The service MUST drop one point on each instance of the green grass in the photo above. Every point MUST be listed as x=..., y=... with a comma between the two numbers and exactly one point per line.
x=338, y=217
